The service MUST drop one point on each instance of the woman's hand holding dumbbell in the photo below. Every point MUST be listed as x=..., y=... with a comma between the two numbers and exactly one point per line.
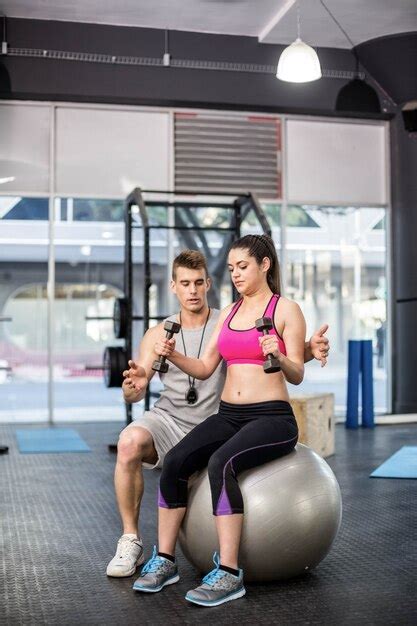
x=270, y=345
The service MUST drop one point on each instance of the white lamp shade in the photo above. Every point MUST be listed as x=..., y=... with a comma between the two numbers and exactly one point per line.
x=298, y=63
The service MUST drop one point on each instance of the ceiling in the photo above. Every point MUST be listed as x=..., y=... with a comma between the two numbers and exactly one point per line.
x=271, y=21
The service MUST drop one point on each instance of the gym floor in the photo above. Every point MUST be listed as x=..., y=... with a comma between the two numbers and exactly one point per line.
x=59, y=527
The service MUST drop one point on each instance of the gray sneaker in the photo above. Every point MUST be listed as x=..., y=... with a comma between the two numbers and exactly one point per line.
x=218, y=587
x=156, y=574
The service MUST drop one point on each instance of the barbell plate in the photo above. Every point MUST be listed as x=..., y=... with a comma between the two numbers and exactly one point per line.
x=114, y=362
x=120, y=318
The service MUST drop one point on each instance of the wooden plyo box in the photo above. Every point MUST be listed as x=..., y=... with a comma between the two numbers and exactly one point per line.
x=315, y=418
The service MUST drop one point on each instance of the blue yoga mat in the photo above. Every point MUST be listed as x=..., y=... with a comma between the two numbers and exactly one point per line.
x=402, y=464
x=38, y=440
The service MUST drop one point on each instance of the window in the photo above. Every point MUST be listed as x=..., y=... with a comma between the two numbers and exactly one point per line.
x=15, y=208
x=336, y=272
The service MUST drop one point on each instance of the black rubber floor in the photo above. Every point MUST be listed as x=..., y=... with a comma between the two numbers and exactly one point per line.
x=59, y=528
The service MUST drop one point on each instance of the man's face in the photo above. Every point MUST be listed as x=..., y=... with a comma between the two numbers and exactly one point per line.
x=191, y=287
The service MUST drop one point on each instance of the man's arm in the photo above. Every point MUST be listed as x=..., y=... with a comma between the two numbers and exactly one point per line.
x=307, y=352
x=140, y=372
x=318, y=346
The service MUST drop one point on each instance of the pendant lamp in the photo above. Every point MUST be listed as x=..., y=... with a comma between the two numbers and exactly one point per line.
x=358, y=96
x=298, y=62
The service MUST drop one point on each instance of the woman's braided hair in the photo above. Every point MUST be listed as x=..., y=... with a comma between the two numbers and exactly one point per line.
x=261, y=246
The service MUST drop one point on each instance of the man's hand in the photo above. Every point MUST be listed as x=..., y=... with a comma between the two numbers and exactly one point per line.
x=135, y=378
x=319, y=345
x=164, y=347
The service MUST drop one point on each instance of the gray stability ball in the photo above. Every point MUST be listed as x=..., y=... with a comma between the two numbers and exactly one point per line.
x=293, y=510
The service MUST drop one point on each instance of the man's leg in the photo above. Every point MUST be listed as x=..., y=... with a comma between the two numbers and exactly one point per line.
x=135, y=446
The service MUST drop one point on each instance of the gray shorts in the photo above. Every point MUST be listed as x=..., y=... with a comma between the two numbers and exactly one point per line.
x=165, y=432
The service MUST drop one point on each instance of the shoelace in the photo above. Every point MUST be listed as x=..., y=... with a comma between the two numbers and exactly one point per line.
x=215, y=574
x=123, y=546
x=153, y=564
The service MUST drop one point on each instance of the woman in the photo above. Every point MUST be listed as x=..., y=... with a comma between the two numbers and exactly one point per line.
x=255, y=422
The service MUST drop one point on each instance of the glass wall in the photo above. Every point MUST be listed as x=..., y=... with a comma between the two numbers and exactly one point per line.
x=336, y=271
x=23, y=309
x=333, y=255
x=88, y=253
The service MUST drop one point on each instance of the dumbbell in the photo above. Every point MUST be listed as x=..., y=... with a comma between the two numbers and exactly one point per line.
x=271, y=364
x=171, y=328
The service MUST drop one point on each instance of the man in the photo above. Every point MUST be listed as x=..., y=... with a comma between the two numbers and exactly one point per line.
x=184, y=402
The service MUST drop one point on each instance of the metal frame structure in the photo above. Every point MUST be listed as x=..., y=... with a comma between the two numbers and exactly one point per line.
x=241, y=205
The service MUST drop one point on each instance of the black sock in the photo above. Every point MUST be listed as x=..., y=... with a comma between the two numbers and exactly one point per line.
x=235, y=572
x=167, y=556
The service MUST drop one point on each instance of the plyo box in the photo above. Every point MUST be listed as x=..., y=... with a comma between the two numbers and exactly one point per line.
x=316, y=421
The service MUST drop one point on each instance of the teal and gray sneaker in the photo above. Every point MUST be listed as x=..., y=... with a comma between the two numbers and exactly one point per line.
x=156, y=574
x=217, y=587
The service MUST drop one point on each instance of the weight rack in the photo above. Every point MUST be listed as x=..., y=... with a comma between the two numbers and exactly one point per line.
x=240, y=206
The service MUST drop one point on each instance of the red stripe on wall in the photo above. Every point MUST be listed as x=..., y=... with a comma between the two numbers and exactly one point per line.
x=255, y=118
x=185, y=115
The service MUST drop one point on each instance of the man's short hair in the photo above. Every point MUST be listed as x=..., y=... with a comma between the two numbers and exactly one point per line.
x=191, y=259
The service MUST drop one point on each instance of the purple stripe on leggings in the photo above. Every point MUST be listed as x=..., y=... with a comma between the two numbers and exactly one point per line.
x=161, y=500
x=223, y=506
x=224, y=500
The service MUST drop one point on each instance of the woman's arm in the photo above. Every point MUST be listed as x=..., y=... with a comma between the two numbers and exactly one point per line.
x=203, y=367
x=294, y=333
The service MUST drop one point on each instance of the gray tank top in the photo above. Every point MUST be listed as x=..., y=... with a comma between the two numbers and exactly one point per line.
x=176, y=384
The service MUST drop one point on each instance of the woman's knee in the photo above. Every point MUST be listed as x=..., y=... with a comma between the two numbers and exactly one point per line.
x=134, y=444
x=216, y=466
x=171, y=467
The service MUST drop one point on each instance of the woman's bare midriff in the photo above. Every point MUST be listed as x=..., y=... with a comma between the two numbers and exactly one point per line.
x=246, y=384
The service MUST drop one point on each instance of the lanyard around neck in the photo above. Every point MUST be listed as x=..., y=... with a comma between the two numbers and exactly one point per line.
x=191, y=381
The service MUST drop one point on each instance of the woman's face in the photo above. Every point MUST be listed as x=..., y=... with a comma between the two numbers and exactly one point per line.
x=247, y=275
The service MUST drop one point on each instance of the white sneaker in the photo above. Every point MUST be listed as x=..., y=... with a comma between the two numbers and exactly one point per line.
x=129, y=555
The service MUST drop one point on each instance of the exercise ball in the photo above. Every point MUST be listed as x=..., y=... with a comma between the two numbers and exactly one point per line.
x=293, y=511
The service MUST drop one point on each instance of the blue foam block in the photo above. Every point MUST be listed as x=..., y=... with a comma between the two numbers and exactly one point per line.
x=38, y=440
x=402, y=464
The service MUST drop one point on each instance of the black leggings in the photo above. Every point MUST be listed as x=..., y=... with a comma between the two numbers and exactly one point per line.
x=238, y=437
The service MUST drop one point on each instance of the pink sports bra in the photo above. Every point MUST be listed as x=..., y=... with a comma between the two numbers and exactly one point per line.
x=242, y=346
